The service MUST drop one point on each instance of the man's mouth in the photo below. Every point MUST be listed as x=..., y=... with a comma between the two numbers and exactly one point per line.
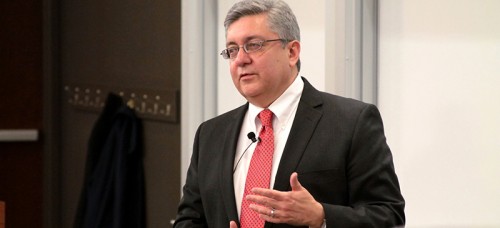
x=244, y=75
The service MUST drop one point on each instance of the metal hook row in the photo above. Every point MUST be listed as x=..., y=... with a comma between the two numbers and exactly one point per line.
x=149, y=104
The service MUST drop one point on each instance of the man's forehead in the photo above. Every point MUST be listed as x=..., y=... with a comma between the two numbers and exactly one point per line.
x=248, y=28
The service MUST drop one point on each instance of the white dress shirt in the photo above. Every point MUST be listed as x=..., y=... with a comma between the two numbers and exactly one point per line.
x=284, y=109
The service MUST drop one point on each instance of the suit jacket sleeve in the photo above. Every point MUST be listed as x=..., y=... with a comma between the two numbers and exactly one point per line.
x=190, y=210
x=374, y=198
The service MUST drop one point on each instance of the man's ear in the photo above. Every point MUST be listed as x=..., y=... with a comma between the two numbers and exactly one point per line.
x=294, y=52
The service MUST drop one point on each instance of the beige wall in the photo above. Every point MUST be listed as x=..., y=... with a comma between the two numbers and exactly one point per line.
x=439, y=96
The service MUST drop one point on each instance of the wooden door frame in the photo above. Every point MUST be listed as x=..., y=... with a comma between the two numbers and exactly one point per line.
x=51, y=114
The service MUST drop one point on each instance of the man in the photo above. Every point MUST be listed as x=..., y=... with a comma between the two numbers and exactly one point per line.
x=319, y=160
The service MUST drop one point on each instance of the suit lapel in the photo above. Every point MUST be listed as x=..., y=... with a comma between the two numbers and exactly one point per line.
x=305, y=122
x=230, y=134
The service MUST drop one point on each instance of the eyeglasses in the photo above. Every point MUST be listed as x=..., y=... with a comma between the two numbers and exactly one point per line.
x=252, y=46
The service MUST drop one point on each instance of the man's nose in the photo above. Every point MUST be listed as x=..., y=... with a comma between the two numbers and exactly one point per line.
x=242, y=57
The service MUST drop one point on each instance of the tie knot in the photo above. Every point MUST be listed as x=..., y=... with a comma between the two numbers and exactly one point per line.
x=266, y=117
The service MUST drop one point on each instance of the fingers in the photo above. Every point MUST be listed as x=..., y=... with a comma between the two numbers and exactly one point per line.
x=269, y=193
x=270, y=197
x=265, y=198
x=296, y=207
x=233, y=224
x=265, y=204
x=294, y=182
x=263, y=210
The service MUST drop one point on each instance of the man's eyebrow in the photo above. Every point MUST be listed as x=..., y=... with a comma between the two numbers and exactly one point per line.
x=231, y=43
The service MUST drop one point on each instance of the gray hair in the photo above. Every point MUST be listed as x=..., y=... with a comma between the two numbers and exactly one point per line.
x=280, y=17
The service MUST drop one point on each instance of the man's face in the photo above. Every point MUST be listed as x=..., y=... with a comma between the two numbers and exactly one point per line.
x=262, y=76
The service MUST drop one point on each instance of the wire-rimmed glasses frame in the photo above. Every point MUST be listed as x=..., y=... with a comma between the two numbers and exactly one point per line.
x=249, y=47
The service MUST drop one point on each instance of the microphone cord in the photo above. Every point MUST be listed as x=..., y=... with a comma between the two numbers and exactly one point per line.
x=250, y=136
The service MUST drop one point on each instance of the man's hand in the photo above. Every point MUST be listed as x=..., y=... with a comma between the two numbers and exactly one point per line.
x=297, y=207
x=232, y=224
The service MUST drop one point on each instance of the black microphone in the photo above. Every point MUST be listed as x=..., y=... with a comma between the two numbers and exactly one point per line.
x=250, y=136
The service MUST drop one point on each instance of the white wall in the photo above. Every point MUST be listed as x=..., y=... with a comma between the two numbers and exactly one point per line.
x=311, y=18
x=439, y=94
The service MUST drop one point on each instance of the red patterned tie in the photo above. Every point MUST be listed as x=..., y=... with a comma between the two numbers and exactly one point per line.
x=259, y=172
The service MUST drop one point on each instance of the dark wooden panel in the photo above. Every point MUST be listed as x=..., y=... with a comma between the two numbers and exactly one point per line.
x=2, y=214
x=21, y=64
x=21, y=108
x=21, y=183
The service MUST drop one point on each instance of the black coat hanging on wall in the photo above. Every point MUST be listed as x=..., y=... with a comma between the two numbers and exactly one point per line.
x=113, y=188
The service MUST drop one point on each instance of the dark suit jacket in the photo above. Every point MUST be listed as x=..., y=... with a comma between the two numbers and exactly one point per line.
x=336, y=145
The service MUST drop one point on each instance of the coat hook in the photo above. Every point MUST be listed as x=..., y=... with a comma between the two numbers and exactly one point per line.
x=131, y=103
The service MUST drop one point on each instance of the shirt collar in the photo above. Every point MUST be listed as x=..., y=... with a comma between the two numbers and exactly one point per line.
x=282, y=107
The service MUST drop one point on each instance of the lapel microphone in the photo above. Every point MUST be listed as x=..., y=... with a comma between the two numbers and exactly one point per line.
x=250, y=136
